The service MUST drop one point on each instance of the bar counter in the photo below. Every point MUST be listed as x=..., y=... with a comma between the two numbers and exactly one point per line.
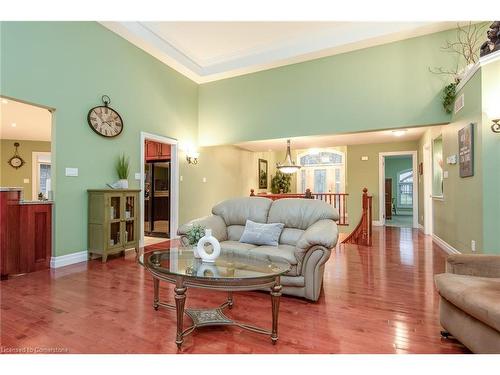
x=25, y=233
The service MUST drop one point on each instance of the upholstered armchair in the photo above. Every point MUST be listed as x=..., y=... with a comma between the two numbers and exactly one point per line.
x=469, y=307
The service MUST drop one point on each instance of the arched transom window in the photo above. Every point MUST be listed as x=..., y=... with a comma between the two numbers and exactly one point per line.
x=322, y=171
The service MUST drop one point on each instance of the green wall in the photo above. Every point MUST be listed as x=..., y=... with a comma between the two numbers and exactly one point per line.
x=490, y=150
x=11, y=177
x=365, y=173
x=69, y=66
x=393, y=166
x=458, y=216
x=382, y=87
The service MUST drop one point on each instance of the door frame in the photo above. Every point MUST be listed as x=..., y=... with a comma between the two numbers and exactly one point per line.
x=53, y=169
x=381, y=187
x=174, y=182
x=427, y=190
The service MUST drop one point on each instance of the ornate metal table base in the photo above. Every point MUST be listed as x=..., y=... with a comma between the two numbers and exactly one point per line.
x=216, y=316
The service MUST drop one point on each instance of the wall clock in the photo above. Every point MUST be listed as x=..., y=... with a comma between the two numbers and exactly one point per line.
x=16, y=161
x=104, y=120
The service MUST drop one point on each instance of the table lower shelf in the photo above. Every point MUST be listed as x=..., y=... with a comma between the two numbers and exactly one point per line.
x=214, y=317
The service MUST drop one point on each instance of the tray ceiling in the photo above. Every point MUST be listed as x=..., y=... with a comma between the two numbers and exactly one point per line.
x=209, y=51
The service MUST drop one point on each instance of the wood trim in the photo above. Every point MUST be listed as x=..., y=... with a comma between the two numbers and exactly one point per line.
x=66, y=260
x=381, y=186
x=174, y=182
x=444, y=245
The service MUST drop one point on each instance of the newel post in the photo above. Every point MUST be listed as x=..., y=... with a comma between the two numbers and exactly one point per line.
x=364, y=226
x=308, y=194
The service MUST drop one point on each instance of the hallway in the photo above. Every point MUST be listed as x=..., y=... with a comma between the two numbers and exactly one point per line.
x=375, y=300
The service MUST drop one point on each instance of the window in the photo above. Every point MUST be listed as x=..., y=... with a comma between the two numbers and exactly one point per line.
x=405, y=188
x=437, y=167
x=41, y=175
x=44, y=179
x=322, y=171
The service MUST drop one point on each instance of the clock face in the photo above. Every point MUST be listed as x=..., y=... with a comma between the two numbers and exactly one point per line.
x=105, y=121
x=16, y=162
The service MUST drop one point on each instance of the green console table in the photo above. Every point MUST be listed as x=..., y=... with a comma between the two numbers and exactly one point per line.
x=113, y=221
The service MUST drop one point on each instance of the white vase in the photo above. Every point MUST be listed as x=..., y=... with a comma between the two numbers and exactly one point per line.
x=195, y=252
x=208, y=238
x=123, y=183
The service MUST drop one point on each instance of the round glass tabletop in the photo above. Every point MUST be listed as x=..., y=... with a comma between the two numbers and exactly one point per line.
x=230, y=265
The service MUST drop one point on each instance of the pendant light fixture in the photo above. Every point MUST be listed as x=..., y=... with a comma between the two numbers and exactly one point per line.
x=288, y=166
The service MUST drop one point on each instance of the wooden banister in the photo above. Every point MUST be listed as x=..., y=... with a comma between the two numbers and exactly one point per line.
x=337, y=200
x=362, y=234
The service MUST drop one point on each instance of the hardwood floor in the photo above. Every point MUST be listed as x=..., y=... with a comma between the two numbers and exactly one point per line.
x=375, y=300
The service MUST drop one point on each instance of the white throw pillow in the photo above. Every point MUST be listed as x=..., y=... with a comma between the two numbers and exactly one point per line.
x=262, y=234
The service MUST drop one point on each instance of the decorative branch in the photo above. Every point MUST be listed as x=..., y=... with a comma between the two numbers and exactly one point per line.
x=466, y=47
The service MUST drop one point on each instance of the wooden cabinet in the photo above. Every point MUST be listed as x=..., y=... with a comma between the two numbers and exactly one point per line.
x=113, y=221
x=156, y=151
x=36, y=242
x=25, y=234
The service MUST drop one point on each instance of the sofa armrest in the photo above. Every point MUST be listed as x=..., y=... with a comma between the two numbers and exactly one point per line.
x=214, y=222
x=474, y=265
x=321, y=233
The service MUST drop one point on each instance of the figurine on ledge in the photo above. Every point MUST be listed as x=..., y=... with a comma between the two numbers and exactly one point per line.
x=493, y=42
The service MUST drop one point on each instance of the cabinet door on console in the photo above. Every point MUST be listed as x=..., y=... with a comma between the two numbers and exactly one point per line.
x=36, y=244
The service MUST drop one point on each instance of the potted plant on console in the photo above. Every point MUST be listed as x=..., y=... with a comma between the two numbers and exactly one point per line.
x=122, y=170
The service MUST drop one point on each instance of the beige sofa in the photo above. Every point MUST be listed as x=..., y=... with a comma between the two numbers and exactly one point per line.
x=306, y=241
x=470, y=301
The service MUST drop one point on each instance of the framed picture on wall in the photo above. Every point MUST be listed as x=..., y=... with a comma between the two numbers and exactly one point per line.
x=262, y=174
x=466, y=151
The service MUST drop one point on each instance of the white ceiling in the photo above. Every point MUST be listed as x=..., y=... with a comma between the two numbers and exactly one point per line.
x=31, y=123
x=320, y=141
x=209, y=51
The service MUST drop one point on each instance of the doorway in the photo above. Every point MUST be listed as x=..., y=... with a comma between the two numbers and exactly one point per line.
x=26, y=142
x=159, y=188
x=398, y=189
x=323, y=171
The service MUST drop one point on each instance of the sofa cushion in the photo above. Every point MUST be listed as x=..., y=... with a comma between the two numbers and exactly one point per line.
x=272, y=252
x=262, y=234
x=236, y=211
x=477, y=296
x=300, y=213
x=234, y=232
x=236, y=247
x=290, y=236
x=269, y=252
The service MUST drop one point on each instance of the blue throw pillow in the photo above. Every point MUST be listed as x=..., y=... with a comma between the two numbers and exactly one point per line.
x=262, y=234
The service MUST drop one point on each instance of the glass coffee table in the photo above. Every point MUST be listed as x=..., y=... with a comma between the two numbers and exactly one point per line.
x=231, y=272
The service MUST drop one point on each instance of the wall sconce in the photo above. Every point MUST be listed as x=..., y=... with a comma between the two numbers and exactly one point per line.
x=496, y=126
x=192, y=157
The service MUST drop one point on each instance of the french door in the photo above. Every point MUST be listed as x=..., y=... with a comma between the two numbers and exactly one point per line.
x=322, y=179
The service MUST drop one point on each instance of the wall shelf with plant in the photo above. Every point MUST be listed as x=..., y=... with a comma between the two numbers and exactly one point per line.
x=466, y=48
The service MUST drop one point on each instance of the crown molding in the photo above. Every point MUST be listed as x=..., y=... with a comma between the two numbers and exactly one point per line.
x=309, y=46
x=482, y=62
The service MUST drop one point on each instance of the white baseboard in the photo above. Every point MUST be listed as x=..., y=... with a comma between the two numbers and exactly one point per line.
x=376, y=223
x=444, y=245
x=66, y=260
